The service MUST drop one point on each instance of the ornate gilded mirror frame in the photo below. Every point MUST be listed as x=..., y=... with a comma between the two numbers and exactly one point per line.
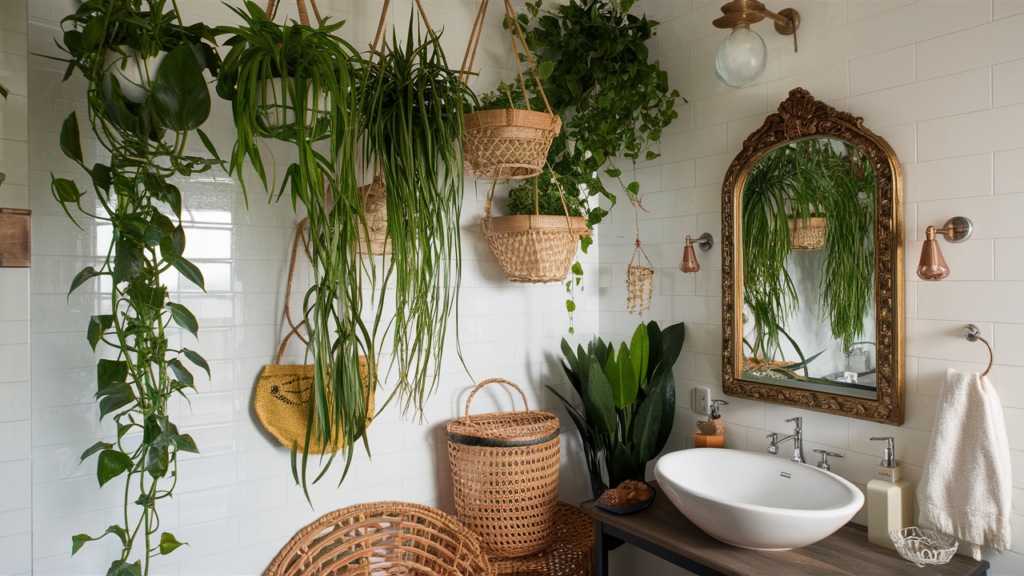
x=801, y=117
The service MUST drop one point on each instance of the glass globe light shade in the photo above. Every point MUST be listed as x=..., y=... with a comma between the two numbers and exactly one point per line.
x=741, y=57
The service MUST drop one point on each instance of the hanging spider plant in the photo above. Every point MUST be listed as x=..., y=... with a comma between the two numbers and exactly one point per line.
x=318, y=102
x=412, y=118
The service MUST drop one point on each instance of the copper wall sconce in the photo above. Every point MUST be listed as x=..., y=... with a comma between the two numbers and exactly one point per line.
x=742, y=56
x=689, y=264
x=932, y=265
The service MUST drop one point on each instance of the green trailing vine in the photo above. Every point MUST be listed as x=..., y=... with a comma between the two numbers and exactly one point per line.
x=133, y=193
x=593, y=63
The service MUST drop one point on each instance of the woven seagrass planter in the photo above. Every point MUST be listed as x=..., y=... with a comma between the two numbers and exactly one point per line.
x=505, y=477
x=508, y=143
x=535, y=249
x=807, y=234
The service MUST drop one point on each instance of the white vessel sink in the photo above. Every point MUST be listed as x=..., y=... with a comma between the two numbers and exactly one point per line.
x=755, y=500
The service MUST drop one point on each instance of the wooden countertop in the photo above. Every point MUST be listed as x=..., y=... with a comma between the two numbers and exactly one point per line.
x=846, y=552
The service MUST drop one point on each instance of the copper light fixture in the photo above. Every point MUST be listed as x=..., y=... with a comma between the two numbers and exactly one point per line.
x=742, y=56
x=689, y=264
x=932, y=265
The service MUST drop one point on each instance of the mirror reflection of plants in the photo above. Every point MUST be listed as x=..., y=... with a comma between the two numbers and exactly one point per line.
x=628, y=401
x=133, y=194
x=798, y=181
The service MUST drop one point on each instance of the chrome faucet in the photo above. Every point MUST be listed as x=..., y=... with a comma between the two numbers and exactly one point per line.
x=797, y=437
x=824, y=465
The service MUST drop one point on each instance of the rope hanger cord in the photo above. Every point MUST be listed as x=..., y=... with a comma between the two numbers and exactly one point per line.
x=273, y=5
x=474, y=42
x=383, y=20
x=288, y=293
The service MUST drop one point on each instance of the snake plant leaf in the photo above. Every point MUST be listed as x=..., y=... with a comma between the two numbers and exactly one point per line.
x=665, y=388
x=574, y=378
x=168, y=543
x=98, y=326
x=656, y=350
x=646, y=428
x=578, y=419
x=198, y=360
x=672, y=345
x=625, y=393
x=639, y=352
x=570, y=357
x=598, y=401
x=183, y=317
x=112, y=464
x=623, y=465
x=71, y=139
x=181, y=98
x=81, y=278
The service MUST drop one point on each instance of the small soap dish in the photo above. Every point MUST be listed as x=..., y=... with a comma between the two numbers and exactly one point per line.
x=923, y=547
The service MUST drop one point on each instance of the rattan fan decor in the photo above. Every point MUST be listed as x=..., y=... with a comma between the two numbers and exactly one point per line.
x=807, y=234
x=571, y=552
x=505, y=476
x=506, y=143
x=382, y=539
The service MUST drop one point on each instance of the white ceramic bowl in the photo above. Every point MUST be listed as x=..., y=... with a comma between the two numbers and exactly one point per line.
x=755, y=500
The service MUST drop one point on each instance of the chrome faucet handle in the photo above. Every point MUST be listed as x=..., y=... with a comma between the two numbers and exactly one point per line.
x=824, y=465
x=799, y=422
x=773, y=446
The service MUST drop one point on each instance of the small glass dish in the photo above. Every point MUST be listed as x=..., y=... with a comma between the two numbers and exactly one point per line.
x=922, y=546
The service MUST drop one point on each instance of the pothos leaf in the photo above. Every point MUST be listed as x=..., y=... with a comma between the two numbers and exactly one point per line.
x=168, y=543
x=112, y=464
x=183, y=317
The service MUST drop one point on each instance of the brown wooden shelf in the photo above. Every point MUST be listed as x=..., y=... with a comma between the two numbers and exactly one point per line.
x=665, y=532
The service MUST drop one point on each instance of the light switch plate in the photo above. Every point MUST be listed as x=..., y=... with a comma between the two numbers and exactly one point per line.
x=701, y=401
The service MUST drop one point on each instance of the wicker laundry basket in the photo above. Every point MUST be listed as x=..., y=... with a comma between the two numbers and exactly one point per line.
x=505, y=476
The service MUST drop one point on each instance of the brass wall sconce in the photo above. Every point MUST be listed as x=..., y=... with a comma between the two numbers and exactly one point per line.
x=742, y=56
x=689, y=264
x=932, y=265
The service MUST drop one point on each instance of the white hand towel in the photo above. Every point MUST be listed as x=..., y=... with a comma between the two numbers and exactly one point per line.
x=966, y=487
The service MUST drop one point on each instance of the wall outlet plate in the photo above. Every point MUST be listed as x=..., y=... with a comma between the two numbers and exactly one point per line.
x=701, y=400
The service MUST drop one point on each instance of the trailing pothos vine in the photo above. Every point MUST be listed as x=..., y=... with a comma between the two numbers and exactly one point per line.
x=133, y=194
x=593, y=64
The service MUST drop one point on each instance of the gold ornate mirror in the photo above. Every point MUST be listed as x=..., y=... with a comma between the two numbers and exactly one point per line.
x=812, y=265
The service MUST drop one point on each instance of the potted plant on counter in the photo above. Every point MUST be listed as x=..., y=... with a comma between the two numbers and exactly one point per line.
x=145, y=137
x=627, y=401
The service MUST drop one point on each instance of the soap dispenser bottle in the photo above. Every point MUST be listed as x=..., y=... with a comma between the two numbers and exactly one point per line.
x=890, y=498
x=712, y=434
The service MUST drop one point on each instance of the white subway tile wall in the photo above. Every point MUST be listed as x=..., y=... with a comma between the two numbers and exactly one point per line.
x=941, y=81
x=15, y=368
x=236, y=503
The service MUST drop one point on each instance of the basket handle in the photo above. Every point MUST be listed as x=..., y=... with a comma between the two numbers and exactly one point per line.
x=288, y=293
x=491, y=381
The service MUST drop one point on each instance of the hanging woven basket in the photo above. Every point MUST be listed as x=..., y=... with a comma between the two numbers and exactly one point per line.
x=639, y=281
x=505, y=476
x=534, y=249
x=807, y=234
x=375, y=206
x=506, y=143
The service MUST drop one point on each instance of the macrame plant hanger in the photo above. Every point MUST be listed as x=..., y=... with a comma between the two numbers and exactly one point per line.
x=273, y=5
x=639, y=279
